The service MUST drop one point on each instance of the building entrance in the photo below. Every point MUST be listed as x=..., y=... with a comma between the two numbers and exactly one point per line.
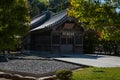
x=67, y=44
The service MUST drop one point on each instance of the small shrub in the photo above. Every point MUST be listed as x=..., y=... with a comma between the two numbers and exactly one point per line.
x=64, y=74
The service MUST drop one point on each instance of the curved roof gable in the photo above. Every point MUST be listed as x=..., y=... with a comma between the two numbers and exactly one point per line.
x=40, y=19
x=54, y=20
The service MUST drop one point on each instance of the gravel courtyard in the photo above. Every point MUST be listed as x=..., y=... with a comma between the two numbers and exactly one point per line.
x=35, y=66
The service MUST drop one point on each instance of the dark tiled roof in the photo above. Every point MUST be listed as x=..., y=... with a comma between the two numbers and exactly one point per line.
x=40, y=19
x=52, y=21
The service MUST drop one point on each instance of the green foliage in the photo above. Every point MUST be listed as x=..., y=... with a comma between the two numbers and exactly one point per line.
x=37, y=6
x=44, y=1
x=58, y=5
x=91, y=38
x=14, y=21
x=64, y=74
x=102, y=18
x=97, y=74
x=95, y=15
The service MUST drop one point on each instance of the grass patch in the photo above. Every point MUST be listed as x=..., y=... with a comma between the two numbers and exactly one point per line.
x=97, y=74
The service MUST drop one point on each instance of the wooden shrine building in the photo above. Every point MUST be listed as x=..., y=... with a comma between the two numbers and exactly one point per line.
x=55, y=33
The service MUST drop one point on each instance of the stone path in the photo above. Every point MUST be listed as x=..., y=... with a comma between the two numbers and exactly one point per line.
x=91, y=60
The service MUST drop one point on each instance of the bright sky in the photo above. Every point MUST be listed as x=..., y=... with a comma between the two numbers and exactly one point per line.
x=102, y=1
x=117, y=9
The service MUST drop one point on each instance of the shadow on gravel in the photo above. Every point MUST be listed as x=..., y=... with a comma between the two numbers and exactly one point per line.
x=65, y=55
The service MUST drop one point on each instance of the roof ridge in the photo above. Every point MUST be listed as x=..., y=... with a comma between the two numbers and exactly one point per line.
x=56, y=14
x=41, y=14
x=53, y=20
x=59, y=12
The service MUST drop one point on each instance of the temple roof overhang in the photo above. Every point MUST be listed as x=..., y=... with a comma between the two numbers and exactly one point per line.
x=49, y=20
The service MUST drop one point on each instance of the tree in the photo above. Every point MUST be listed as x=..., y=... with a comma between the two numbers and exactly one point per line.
x=14, y=22
x=58, y=5
x=90, y=40
x=100, y=17
x=36, y=7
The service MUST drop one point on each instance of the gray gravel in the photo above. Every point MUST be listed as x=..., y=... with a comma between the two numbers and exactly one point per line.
x=35, y=66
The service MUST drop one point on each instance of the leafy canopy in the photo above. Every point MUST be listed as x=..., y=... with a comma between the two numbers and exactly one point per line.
x=14, y=21
x=100, y=17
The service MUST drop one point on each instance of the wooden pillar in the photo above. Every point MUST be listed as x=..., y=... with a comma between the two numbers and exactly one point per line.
x=74, y=43
x=60, y=42
x=51, y=42
x=82, y=44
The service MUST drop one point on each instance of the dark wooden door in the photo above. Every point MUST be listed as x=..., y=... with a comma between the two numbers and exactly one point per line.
x=67, y=44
